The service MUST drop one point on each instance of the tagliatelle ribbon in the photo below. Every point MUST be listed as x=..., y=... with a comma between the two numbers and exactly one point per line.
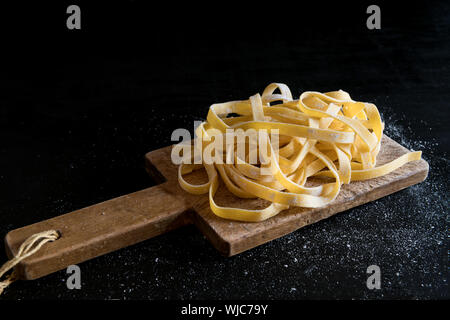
x=319, y=135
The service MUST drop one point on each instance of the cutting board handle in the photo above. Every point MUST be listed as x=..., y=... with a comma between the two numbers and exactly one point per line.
x=99, y=229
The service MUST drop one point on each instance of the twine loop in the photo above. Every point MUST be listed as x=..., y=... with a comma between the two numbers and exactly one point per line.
x=30, y=246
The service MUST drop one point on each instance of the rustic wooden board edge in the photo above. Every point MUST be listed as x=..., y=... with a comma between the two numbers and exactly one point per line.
x=311, y=217
x=57, y=255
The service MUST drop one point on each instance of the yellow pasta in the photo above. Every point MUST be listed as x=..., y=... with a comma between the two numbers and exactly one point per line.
x=318, y=135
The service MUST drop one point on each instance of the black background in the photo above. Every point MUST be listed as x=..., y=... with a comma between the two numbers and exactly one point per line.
x=80, y=108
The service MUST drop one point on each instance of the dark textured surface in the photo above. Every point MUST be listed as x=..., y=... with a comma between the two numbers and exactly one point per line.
x=79, y=111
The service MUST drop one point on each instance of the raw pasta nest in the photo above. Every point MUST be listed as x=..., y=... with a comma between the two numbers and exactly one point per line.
x=325, y=135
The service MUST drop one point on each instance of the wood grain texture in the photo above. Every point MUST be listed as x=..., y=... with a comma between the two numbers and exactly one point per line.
x=126, y=220
x=99, y=229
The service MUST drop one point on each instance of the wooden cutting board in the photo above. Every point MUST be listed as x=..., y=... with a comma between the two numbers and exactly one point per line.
x=96, y=230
